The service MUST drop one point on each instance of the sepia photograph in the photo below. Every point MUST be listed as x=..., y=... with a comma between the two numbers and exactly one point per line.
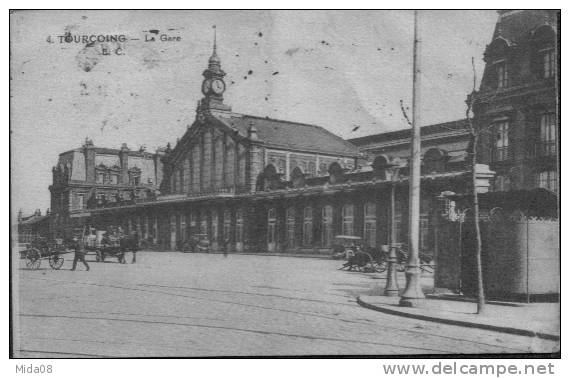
x=285, y=183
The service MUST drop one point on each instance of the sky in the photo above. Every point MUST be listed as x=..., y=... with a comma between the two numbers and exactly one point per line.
x=346, y=71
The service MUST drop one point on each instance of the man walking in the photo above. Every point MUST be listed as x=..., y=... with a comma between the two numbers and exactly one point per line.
x=79, y=251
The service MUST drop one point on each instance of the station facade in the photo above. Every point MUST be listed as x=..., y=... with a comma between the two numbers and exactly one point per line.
x=254, y=183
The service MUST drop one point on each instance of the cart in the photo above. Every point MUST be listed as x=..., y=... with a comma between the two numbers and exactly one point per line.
x=40, y=249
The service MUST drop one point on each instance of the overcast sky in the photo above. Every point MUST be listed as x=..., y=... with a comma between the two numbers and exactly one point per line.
x=342, y=70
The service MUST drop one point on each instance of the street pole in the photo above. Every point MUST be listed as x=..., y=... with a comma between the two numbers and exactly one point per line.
x=412, y=295
x=392, y=289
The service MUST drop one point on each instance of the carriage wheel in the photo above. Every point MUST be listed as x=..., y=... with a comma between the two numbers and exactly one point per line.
x=33, y=259
x=56, y=261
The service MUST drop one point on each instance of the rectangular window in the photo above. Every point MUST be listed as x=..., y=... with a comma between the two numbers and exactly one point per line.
x=308, y=226
x=182, y=227
x=327, y=226
x=548, y=134
x=290, y=227
x=500, y=145
x=548, y=64
x=80, y=203
x=239, y=226
x=348, y=220
x=399, y=234
x=114, y=179
x=271, y=221
x=214, y=226
x=502, y=75
x=370, y=224
x=548, y=180
x=100, y=178
x=227, y=226
x=424, y=231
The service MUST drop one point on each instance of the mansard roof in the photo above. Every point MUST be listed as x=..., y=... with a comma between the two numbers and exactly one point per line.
x=289, y=135
x=516, y=26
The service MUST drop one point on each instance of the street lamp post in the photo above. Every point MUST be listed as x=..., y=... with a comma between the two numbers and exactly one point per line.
x=412, y=295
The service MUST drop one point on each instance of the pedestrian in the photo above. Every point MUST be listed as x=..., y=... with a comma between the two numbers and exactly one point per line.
x=226, y=246
x=135, y=246
x=79, y=253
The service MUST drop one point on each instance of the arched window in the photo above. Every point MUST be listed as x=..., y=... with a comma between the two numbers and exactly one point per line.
x=308, y=225
x=434, y=160
x=348, y=219
x=336, y=173
x=370, y=224
x=327, y=226
x=290, y=219
x=298, y=178
x=496, y=56
x=380, y=164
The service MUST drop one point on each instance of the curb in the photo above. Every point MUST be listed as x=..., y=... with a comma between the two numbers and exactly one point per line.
x=461, y=323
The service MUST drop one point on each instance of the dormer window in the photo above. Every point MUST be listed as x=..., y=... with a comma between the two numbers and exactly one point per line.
x=548, y=63
x=502, y=74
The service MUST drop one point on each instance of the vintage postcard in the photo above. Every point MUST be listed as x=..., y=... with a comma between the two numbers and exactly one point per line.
x=285, y=183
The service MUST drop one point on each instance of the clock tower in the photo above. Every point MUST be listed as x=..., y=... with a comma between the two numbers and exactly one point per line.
x=214, y=86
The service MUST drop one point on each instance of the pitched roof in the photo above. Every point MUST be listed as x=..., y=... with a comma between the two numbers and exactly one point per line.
x=290, y=135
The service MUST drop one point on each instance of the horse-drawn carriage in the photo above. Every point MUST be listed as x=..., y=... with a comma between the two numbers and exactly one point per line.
x=110, y=243
x=196, y=243
x=367, y=259
x=42, y=249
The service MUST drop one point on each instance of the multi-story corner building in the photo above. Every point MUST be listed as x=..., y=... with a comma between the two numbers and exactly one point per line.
x=93, y=177
x=516, y=105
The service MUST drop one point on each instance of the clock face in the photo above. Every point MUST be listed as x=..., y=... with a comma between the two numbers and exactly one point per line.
x=218, y=86
x=206, y=85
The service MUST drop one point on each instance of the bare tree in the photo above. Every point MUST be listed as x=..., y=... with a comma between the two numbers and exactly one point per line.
x=474, y=134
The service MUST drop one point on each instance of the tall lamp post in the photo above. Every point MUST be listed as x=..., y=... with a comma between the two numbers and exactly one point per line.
x=413, y=294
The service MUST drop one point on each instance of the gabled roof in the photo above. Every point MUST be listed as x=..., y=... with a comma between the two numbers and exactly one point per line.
x=289, y=135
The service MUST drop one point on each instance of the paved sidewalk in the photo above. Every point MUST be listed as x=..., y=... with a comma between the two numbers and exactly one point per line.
x=535, y=319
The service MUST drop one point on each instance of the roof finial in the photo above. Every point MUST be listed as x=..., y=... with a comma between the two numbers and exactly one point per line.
x=214, y=26
x=214, y=60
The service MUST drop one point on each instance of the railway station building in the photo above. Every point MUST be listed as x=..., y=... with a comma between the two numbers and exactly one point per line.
x=263, y=185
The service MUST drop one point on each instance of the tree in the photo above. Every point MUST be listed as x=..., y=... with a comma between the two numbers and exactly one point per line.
x=474, y=134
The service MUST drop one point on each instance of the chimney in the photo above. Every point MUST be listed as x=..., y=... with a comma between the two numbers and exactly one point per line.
x=252, y=132
x=89, y=153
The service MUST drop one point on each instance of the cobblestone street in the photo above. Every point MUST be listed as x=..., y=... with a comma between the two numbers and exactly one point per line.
x=174, y=304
